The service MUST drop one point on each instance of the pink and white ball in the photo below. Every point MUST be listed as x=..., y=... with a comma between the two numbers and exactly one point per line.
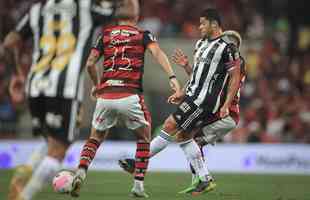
x=62, y=182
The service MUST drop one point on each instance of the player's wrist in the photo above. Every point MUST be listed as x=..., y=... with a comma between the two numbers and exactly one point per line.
x=172, y=77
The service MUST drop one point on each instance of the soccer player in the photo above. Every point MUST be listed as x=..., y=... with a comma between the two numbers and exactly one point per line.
x=61, y=31
x=119, y=91
x=212, y=88
x=215, y=128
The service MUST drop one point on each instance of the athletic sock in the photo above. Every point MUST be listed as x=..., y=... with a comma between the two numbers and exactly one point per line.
x=193, y=155
x=160, y=142
x=42, y=175
x=141, y=160
x=88, y=153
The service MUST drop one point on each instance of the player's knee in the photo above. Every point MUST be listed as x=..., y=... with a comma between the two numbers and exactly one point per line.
x=170, y=125
x=182, y=137
x=98, y=135
x=144, y=134
x=144, y=139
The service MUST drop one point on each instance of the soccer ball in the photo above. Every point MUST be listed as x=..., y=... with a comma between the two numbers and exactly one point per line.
x=62, y=182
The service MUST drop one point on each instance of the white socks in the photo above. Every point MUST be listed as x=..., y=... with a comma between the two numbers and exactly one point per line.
x=42, y=175
x=193, y=155
x=159, y=143
x=138, y=185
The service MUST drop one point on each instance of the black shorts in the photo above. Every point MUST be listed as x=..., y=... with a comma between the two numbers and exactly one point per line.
x=56, y=117
x=188, y=115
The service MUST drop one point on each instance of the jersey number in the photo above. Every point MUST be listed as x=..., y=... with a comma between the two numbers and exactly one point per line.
x=123, y=59
x=56, y=51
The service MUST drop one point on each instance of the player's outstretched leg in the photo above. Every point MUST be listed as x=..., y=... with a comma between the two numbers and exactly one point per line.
x=87, y=155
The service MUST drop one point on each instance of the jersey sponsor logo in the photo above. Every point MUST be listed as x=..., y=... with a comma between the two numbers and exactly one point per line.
x=205, y=60
x=119, y=42
x=125, y=33
x=115, y=82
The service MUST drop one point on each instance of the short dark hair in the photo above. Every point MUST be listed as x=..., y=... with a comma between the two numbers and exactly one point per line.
x=211, y=14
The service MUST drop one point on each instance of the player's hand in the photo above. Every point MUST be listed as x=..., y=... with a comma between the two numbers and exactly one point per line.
x=94, y=93
x=176, y=98
x=224, y=111
x=180, y=58
x=17, y=88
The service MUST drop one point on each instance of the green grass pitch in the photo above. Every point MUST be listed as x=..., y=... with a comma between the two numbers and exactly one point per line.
x=164, y=186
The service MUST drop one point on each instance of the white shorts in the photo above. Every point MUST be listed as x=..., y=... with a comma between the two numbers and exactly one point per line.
x=218, y=129
x=129, y=110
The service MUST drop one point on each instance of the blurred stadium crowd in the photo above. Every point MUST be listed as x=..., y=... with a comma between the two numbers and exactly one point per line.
x=275, y=101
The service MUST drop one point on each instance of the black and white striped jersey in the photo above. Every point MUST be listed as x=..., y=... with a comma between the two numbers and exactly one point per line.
x=213, y=59
x=62, y=31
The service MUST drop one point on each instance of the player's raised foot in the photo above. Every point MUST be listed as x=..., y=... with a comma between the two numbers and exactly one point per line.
x=78, y=182
x=20, y=178
x=127, y=165
x=203, y=187
x=190, y=188
x=138, y=193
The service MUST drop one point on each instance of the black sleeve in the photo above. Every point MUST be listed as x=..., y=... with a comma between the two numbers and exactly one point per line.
x=148, y=38
x=231, y=56
x=102, y=11
x=23, y=27
x=98, y=44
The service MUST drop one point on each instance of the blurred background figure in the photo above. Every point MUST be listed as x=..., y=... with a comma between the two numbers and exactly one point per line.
x=60, y=30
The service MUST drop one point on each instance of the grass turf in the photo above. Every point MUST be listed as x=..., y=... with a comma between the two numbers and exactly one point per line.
x=164, y=186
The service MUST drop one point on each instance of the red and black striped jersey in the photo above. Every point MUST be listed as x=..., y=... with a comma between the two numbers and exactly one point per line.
x=123, y=48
